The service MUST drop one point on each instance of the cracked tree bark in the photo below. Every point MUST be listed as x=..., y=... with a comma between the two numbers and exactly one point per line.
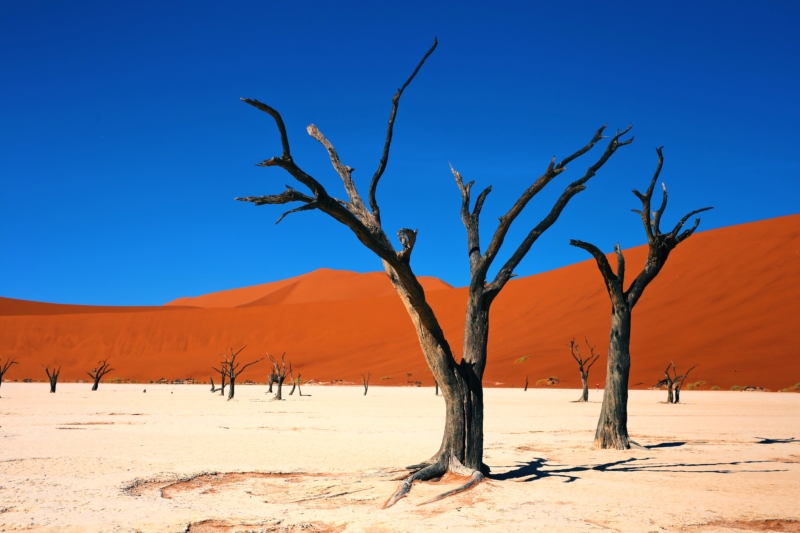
x=461, y=450
x=612, y=427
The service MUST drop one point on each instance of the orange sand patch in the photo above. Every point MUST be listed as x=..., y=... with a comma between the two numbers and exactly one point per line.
x=728, y=300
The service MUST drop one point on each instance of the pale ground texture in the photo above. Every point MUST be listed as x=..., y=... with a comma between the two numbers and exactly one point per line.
x=178, y=458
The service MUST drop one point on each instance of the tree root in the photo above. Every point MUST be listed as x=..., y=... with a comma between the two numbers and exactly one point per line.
x=428, y=471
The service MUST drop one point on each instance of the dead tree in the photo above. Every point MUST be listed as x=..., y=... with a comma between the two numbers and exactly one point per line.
x=365, y=381
x=280, y=370
x=233, y=370
x=223, y=375
x=213, y=388
x=612, y=427
x=98, y=372
x=678, y=382
x=295, y=382
x=5, y=366
x=273, y=378
x=52, y=377
x=667, y=382
x=583, y=366
x=526, y=384
x=460, y=379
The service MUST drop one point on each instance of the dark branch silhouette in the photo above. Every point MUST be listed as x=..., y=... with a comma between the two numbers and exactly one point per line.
x=460, y=379
x=233, y=370
x=98, y=372
x=280, y=370
x=612, y=428
x=365, y=381
x=52, y=377
x=5, y=366
x=583, y=365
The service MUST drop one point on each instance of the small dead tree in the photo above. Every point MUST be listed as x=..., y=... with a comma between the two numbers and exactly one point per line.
x=273, y=378
x=612, y=427
x=213, y=388
x=583, y=365
x=5, y=366
x=667, y=382
x=526, y=384
x=234, y=370
x=223, y=375
x=365, y=381
x=295, y=382
x=461, y=380
x=98, y=372
x=678, y=381
x=52, y=376
x=280, y=370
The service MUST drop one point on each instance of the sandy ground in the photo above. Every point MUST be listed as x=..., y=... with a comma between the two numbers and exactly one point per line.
x=178, y=458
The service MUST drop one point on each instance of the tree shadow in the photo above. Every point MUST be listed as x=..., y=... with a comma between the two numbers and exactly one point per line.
x=539, y=469
x=776, y=441
x=665, y=445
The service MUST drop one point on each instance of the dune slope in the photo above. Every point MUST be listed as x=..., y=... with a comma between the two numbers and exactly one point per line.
x=728, y=300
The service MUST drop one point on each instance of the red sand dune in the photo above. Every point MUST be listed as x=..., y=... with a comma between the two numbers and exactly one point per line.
x=728, y=300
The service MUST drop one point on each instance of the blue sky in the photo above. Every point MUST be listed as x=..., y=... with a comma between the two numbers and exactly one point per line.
x=123, y=141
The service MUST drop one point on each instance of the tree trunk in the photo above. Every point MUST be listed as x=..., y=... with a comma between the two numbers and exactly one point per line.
x=585, y=396
x=669, y=394
x=294, y=386
x=677, y=395
x=53, y=382
x=231, y=382
x=612, y=428
x=96, y=383
x=278, y=394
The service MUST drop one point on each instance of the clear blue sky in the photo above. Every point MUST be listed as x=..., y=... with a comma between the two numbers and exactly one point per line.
x=123, y=141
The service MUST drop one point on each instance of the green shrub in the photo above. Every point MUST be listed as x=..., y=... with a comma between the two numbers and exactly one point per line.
x=714, y=388
x=796, y=386
x=784, y=390
x=736, y=387
x=690, y=386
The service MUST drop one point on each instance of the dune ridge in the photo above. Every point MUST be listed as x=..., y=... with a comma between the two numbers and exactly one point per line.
x=728, y=300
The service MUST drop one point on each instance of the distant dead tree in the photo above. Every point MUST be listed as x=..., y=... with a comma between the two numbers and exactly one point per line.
x=98, y=372
x=365, y=381
x=234, y=370
x=280, y=370
x=667, y=382
x=52, y=377
x=295, y=382
x=461, y=381
x=612, y=427
x=678, y=381
x=583, y=365
x=223, y=375
x=273, y=378
x=526, y=384
x=5, y=366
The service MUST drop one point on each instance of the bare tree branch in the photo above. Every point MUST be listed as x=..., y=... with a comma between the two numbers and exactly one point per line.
x=373, y=186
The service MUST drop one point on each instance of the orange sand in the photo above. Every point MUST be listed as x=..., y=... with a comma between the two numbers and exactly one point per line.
x=728, y=300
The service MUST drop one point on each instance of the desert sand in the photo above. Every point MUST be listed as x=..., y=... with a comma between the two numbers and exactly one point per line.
x=178, y=458
x=727, y=300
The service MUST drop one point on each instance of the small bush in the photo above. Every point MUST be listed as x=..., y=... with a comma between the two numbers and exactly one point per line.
x=384, y=378
x=151, y=381
x=714, y=388
x=796, y=386
x=522, y=359
x=784, y=390
x=690, y=386
x=736, y=387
